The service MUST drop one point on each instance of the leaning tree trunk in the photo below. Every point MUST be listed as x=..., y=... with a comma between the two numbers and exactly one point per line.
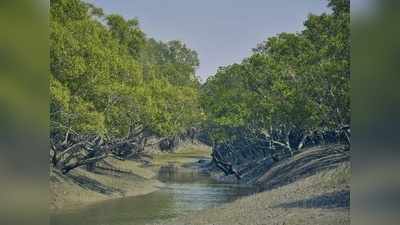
x=303, y=140
x=87, y=151
x=226, y=167
x=83, y=162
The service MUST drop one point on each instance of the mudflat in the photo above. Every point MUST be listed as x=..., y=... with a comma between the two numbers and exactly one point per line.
x=323, y=198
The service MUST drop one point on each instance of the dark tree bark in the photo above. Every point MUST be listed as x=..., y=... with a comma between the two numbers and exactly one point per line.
x=87, y=150
x=226, y=167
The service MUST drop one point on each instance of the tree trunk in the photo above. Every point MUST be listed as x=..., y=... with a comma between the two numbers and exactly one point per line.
x=303, y=140
x=226, y=167
x=79, y=163
x=346, y=130
x=54, y=159
x=289, y=148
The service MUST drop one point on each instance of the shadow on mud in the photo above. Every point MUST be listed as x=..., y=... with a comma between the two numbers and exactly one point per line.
x=339, y=199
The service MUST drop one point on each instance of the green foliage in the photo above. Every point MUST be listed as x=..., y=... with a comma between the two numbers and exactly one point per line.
x=169, y=110
x=128, y=33
x=172, y=61
x=293, y=84
x=108, y=79
x=77, y=10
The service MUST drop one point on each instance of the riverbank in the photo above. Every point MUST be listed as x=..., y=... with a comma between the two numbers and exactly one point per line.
x=186, y=154
x=117, y=179
x=268, y=174
x=320, y=199
x=114, y=179
x=313, y=187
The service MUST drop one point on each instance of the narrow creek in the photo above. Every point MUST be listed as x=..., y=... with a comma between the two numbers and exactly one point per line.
x=185, y=191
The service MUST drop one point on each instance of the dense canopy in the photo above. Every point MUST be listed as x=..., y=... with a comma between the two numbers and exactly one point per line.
x=292, y=91
x=112, y=87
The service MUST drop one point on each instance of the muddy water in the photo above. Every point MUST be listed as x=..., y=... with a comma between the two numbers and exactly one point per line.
x=185, y=191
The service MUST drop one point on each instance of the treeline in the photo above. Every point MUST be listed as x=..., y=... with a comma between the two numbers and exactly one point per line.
x=111, y=86
x=293, y=91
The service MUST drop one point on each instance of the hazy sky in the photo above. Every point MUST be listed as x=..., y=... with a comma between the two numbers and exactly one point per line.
x=221, y=31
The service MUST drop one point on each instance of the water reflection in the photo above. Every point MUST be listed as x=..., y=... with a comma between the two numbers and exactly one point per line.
x=185, y=191
x=173, y=174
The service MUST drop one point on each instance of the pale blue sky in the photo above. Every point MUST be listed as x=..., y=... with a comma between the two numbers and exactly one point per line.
x=221, y=31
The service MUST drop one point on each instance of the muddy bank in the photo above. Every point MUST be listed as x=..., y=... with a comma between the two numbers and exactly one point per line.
x=313, y=187
x=323, y=198
x=113, y=178
x=268, y=174
x=186, y=191
x=187, y=154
